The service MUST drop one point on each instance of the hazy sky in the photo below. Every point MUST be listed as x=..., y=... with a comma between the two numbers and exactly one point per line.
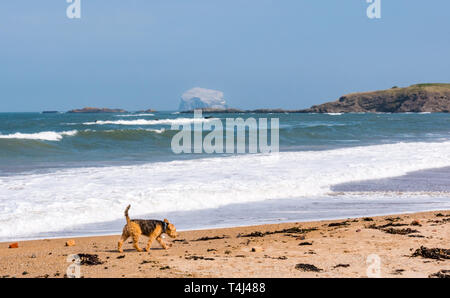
x=139, y=54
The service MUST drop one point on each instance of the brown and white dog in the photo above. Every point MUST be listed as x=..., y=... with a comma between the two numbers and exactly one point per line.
x=153, y=229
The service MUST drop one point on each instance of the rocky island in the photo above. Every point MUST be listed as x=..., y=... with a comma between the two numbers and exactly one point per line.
x=418, y=98
x=147, y=111
x=97, y=110
x=201, y=98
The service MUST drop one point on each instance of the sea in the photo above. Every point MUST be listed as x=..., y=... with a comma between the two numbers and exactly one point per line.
x=69, y=175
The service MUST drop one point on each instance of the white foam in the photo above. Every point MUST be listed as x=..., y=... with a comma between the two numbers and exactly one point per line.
x=44, y=135
x=334, y=114
x=55, y=201
x=134, y=115
x=157, y=130
x=179, y=121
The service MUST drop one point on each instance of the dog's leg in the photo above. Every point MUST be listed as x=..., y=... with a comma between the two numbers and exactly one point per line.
x=151, y=238
x=123, y=238
x=161, y=241
x=136, y=242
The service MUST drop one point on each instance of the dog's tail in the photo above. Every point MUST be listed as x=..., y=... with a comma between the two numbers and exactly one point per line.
x=126, y=214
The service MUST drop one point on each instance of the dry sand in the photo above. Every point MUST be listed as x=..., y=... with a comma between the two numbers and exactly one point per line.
x=338, y=250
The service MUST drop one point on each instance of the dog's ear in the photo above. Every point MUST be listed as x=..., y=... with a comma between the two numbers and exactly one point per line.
x=165, y=220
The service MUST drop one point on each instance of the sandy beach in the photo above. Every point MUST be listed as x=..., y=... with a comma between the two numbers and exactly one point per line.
x=332, y=248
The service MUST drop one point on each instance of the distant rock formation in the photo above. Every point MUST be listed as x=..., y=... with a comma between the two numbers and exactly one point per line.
x=147, y=111
x=216, y=110
x=198, y=98
x=231, y=111
x=97, y=110
x=418, y=98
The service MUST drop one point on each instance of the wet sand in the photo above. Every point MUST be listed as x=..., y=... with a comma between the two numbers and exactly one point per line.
x=334, y=248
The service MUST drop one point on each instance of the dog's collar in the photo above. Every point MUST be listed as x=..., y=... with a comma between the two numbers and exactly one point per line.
x=164, y=226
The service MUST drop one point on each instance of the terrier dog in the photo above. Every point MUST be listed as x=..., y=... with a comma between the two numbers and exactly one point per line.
x=153, y=229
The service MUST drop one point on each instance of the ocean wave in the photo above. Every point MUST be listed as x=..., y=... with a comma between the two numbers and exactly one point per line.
x=179, y=121
x=134, y=115
x=44, y=135
x=34, y=203
x=157, y=130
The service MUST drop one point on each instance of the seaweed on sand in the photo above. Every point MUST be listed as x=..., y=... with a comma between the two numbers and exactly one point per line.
x=307, y=267
x=400, y=231
x=441, y=274
x=293, y=230
x=338, y=224
x=211, y=238
x=432, y=253
x=88, y=259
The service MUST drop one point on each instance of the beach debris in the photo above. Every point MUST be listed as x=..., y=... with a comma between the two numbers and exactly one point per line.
x=239, y=256
x=400, y=231
x=88, y=259
x=147, y=262
x=164, y=268
x=440, y=274
x=358, y=230
x=33, y=256
x=432, y=253
x=195, y=258
x=212, y=238
x=342, y=266
x=307, y=267
x=14, y=245
x=253, y=234
x=295, y=230
x=276, y=258
x=184, y=241
x=24, y=273
x=373, y=226
x=70, y=242
x=441, y=215
x=443, y=221
x=416, y=236
x=398, y=271
x=338, y=224
x=257, y=249
x=391, y=230
x=211, y=249
x=393, y=219
x=367, y=219
x=121, y=257
x=416, y=223
x=305, y=243
x=288, y=232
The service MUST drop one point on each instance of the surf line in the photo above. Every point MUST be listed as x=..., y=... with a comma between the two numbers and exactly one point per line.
x=236, y=128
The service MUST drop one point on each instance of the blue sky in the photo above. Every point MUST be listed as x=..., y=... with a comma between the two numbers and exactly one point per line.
x=140, y=54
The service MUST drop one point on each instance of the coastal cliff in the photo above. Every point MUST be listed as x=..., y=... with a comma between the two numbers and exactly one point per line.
x=418, y=98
